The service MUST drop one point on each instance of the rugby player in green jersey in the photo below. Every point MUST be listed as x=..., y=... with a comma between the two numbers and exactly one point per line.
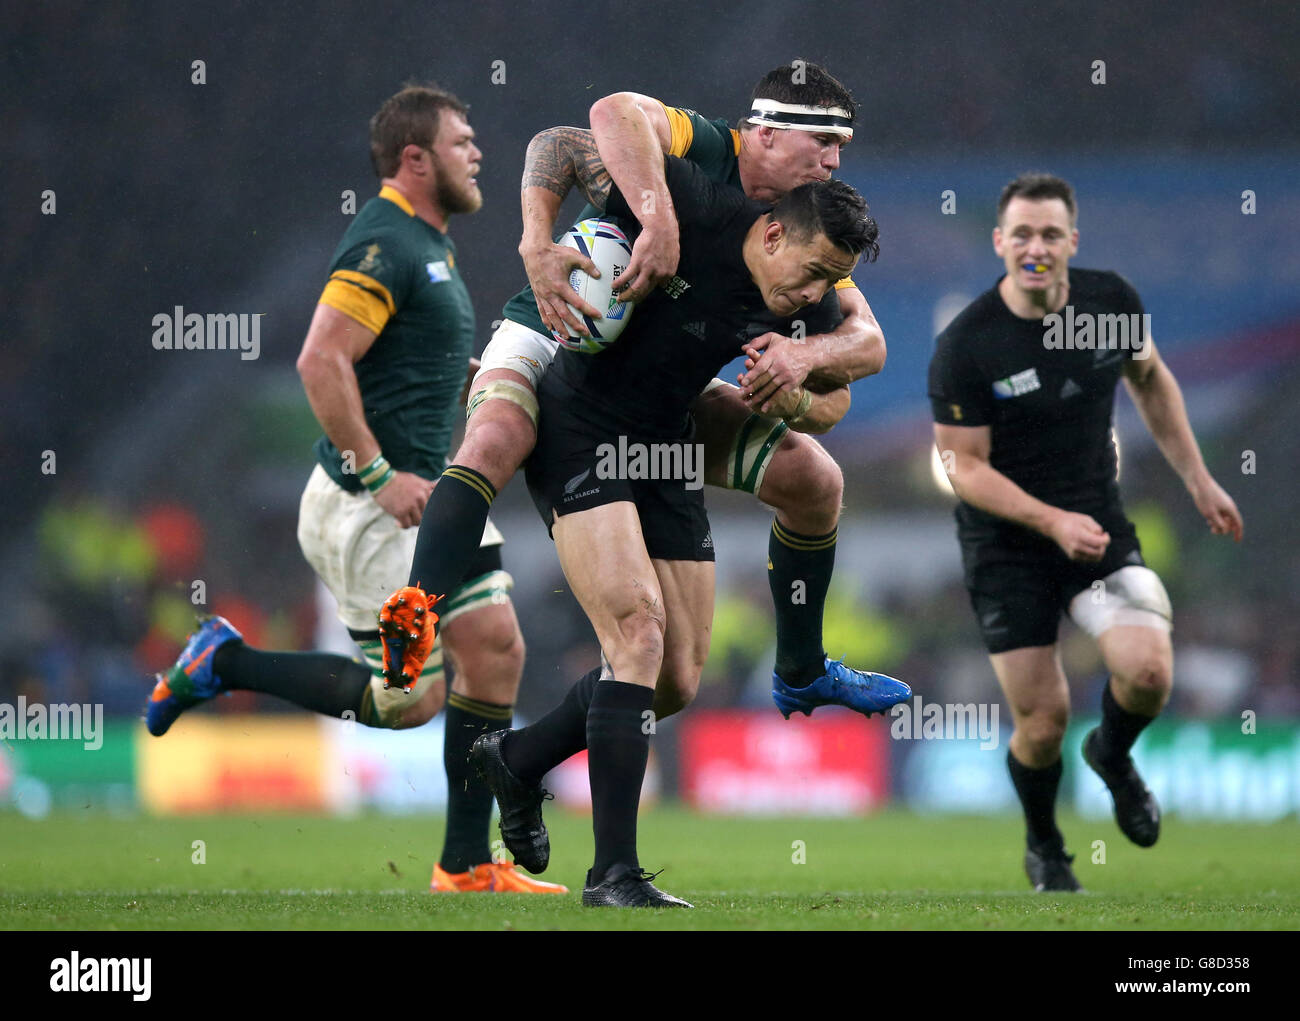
x=384, y=364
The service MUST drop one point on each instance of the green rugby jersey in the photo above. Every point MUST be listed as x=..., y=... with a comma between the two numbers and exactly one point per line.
x=712, y=146
x=396, y=275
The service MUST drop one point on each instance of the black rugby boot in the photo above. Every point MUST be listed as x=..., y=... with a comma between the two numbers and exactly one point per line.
x=522, y=828
x=1136, y=811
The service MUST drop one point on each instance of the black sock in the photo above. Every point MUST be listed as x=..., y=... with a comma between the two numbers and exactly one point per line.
x=320, y=681
x=450, y=529
x=618, y=747
x=799, y=573
x=469, y=801
x=1036, y=789
x=1119, y=728
x=538, y=748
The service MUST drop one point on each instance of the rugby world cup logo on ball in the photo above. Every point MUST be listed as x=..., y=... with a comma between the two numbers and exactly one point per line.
x=605, y=244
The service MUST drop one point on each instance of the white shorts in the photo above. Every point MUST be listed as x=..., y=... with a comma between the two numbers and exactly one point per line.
x=1132, y=596
x=363, y=556
x=515, y=347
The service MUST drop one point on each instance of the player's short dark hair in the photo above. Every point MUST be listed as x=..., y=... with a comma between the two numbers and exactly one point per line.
x=411, y=117
x=804, y=83
x=1036, y=187
x=832, y=208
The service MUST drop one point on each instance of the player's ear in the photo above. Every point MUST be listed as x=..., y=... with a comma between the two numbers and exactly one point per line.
x=772, y=237
x=997, y=240
x=413, y=157
x=1074, y=241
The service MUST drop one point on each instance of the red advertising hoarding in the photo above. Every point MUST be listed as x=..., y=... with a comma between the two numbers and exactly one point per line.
x=756, y=763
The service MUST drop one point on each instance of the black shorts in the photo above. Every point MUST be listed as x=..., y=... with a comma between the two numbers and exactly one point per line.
x=569, y=471
x=1021, y=582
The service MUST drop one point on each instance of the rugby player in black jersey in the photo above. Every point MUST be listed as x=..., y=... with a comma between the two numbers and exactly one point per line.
x=638, y=553
x=800, y=116
x=1022, y=385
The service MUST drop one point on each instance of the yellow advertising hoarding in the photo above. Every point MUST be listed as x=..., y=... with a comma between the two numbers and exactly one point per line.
x=236, y=764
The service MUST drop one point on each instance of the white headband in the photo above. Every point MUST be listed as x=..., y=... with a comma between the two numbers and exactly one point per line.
x=831, y=120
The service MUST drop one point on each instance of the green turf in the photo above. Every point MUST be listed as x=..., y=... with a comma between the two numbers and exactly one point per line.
x=893, y=870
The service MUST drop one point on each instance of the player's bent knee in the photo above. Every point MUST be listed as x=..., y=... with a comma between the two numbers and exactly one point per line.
x=498, y=441
x=806, y=485
x=1042, y=732
x=1150, y=676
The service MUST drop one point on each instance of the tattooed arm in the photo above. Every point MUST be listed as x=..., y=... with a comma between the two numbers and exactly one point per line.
x=557, y=159
x=633, y=133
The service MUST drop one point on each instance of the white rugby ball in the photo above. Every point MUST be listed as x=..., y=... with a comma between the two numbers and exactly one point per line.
x=605, y=244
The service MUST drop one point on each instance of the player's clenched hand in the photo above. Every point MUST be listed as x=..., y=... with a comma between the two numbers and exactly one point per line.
x=548, y=268
x=1079, y=536
x=773, y=364
x=655, y=254
x=1217, y=507
x=404, y=498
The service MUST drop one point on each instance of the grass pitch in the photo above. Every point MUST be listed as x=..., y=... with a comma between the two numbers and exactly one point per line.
x=890, y=871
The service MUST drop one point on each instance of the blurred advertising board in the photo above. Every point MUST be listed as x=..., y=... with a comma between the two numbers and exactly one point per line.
x=237, y=764
x=1197, y=769
x=42, y=775
x=756, y=763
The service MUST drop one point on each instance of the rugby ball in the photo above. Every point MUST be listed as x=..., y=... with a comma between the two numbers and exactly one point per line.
x=605, y=244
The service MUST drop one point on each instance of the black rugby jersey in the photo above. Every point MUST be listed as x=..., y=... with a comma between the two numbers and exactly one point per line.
x=681, y=335
x=1045, y=387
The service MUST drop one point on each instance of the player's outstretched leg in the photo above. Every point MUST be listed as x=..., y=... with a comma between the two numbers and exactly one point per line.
x=792, y=473
x=191, y=679
x=216, y=660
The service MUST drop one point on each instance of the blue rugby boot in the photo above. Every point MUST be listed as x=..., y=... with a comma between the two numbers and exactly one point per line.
x=858, y=690
x=190, y=680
